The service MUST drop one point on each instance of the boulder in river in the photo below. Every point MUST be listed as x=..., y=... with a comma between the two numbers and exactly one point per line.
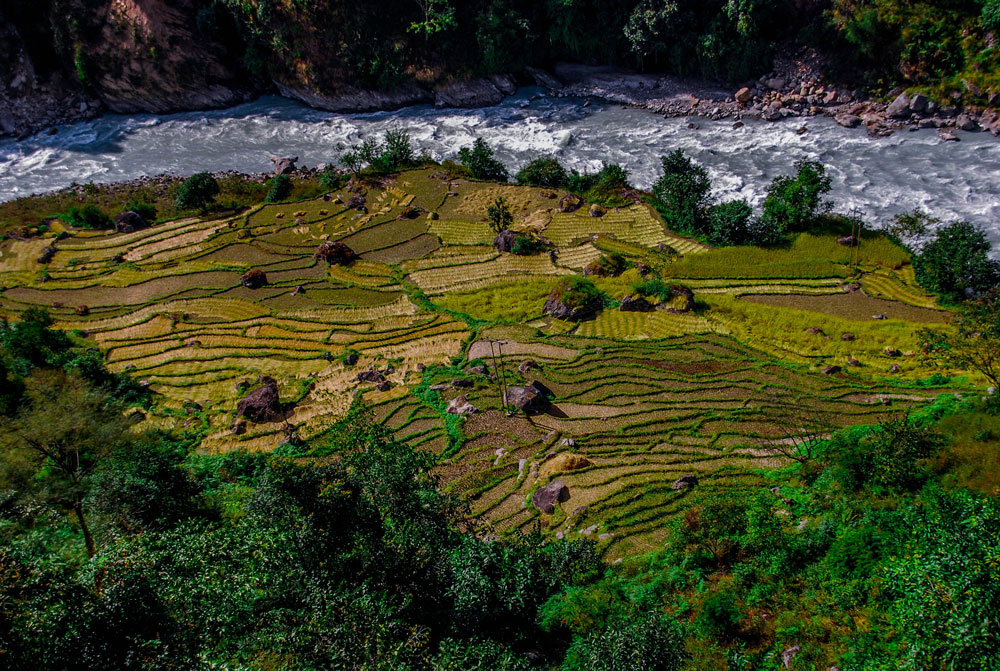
x=335, y=253
x=899, y=108
x=848, y=120
x=262, y=404
x=545, y=498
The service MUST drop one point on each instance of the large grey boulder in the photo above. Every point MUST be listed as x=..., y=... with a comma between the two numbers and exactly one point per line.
x=529, y=398
x=899, y=108
x=476, y=92
x=262, y=404
x=129, y=221
x=284, y=165
x=545, y=498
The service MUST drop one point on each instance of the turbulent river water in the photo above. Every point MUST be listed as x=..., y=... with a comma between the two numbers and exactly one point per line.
x=877, y=177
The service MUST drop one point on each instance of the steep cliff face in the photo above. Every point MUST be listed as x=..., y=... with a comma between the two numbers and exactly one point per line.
x=66, y=59
x=150, y=56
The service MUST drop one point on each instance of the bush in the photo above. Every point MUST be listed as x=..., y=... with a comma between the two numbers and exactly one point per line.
x=545, y=172
x=956, y=263
x=526, y=245
x=481, y=163
x=607, y=265
x=719, y=616
x=331, y=179
x=604, y=187
x=280, y=189
x=682, y=193
x=578, y=292
x=88, y=216
x=889, y=457
x=197, y=192
x=792, y=204
x=144, y=210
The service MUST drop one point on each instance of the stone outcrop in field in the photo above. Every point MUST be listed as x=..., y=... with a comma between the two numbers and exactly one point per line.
x=335, y=253
x=545, y=498
x=262, y=404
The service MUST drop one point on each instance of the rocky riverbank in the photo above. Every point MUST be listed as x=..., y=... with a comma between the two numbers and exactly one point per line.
x=795, y=88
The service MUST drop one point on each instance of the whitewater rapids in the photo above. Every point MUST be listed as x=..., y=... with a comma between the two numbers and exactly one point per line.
x=875, y=177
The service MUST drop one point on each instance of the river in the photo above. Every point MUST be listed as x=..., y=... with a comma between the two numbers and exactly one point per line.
x=877, y=177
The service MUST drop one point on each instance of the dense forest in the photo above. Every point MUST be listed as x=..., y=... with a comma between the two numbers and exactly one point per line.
x=947, y=47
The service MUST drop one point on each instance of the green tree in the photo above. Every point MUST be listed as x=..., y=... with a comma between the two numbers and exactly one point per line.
x=280, y=188
x=682, y=193
x=481, y=162
x=956, y=263
x=544, y=172
x=499, y=215
x=51, y=449
x=792, y=203
x=731, y=223
x=437, y=16
x=197, y=192
x=974, y=341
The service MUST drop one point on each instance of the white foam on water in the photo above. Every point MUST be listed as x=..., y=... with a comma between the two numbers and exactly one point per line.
x=877, y=177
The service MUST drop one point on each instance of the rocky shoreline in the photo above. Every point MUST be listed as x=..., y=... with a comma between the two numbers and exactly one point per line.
x=795, y=88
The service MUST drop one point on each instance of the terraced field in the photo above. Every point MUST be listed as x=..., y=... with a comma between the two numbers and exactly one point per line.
x=640, y=398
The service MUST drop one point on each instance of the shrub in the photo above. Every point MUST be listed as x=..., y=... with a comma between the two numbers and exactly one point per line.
x=144, y=210
x=991, y=15
x=87, y=216
x=545, y=172
x=331, y=179
x=526, y=245
x=578, y=292
x=681, y=194
x=640, y=642
x=792, y=204
x=481, y=163
x=197, y=192
x=719, y=616
x=499, y=215
x=608, y=265
x=280, y=189
x=604, y=187
x=956, y=263
x=888, y=457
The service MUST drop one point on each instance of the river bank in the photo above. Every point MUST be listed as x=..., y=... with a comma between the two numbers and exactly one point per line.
x=795, y=88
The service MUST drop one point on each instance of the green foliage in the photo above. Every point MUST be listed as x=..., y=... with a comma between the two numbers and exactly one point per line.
x=145, y=210
x=681, y=194
x=956, y=263
x=890, y=457
x=544, y=172
x=578, y=292
x=793, y=203
x=607, y=265
x=481, y=163
x=393, y=154
x=197, y=192
x=526, y=245
x=943, y=584
x=331, y=179
x=974, y=343
x=88, y=216
x=499, y=215
x=637, y=642
x=279, y=189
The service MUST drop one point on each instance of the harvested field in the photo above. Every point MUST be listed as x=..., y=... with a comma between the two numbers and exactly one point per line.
x=638, y=398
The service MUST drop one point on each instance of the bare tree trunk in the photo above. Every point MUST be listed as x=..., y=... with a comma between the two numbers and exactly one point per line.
x=88, y=539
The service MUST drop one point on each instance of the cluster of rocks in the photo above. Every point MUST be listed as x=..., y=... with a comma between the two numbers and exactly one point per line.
x=335, y=253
